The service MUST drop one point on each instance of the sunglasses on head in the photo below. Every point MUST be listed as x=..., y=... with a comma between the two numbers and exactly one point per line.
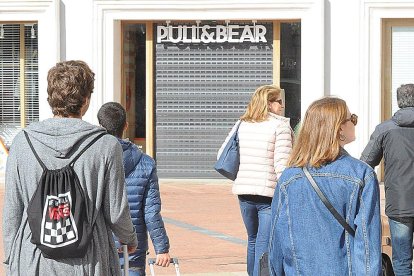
x=353, y=119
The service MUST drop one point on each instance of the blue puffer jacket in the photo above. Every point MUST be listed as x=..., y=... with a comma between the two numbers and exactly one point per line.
x=144, y=202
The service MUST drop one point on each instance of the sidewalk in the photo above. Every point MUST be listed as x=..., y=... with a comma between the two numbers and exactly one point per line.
x=205, y=228
x=204, y=225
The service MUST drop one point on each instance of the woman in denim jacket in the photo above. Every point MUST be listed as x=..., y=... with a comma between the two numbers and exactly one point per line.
x=305, y=238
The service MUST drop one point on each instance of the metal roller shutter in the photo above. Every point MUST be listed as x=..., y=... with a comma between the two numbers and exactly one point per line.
x=10, y=82
x=10, y=103
x=201, y=90
x=31, y=78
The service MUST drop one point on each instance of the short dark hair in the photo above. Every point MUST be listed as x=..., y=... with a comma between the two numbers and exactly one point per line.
x=69, y=84
x=405, y=95
x=112, y=116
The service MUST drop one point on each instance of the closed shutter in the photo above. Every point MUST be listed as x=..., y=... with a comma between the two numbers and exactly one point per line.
x=201, y=91
x=10, y=104
x=31, y=71
x=10, y=82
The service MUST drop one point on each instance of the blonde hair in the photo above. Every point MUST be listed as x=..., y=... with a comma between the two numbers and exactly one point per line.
x=257, y=110
x=318, y=139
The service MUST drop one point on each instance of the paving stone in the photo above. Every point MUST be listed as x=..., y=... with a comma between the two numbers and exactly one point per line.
x=203, y=221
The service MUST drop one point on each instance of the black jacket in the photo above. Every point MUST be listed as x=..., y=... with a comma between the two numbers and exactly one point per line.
x=394, y=140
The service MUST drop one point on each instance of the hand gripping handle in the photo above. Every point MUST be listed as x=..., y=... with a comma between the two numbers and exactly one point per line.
x=151, y=262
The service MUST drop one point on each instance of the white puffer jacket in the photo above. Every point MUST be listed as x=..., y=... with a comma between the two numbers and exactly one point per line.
x=264, y=151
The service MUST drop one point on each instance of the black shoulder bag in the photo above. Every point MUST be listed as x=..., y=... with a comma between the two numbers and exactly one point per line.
x=387, y=269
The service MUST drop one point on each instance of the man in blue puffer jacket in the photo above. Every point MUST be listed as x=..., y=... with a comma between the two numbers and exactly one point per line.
x=142, y=190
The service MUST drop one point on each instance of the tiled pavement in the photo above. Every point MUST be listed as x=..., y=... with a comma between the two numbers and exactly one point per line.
x=204, y=225
x=203, y=222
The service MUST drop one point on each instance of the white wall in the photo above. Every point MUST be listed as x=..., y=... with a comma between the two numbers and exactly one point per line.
x=108, y=14
x=77, y=34
x=353, y=40
x=341, y=42
x=77, y=29
x=90, y=30
x=342, y=35
x=368, y=59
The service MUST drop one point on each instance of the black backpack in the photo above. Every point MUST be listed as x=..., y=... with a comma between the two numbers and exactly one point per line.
x=57, y=213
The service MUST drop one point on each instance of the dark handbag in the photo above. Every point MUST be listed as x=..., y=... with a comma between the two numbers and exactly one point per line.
x=386, y=264
x=264, y=265
x=229, y=161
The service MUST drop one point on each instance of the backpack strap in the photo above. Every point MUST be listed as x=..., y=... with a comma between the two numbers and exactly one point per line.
x=33, y=150
x=328, y=204
x=85, y=148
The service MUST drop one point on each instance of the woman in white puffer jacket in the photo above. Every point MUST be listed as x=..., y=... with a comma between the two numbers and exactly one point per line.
x=265, y=141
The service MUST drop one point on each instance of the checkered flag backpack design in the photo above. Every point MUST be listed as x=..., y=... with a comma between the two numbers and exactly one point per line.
x=57, y=212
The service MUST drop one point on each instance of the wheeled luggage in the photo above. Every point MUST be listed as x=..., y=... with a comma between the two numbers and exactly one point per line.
x=151, y=263
x=174, y=261
x=126, y=259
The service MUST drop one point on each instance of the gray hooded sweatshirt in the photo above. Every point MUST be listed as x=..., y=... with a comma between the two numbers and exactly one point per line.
x=57, y=141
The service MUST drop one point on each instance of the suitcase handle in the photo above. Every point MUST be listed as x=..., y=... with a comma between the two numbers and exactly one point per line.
x=151, y=261
x=126, y=259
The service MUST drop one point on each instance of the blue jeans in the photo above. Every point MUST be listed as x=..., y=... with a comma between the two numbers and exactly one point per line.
x=257, y=220
x=402, y=246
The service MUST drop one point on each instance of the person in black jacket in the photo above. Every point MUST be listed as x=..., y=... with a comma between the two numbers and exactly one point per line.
x=142, y=190
x=394, y=140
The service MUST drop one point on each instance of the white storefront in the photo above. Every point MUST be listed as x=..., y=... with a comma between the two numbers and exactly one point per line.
x=345, y=46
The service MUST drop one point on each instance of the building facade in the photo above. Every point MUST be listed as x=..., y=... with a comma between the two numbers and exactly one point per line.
x=185, y=70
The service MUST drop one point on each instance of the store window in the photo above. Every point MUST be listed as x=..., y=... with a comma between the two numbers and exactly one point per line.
x=397, y=65
x=398, y=61
x=134, y=82
x=19, y=84
x=402, y=60
x=195, y=79
x=290, y=70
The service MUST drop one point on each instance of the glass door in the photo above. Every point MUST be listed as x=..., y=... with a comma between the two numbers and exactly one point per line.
x=134, y=81
x=397, y=65
x=398, y=61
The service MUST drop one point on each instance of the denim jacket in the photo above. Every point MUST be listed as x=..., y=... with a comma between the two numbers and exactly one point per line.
x=305, y=237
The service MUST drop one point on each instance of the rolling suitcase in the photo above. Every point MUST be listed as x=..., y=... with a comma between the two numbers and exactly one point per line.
x=126, y=259
x=174, y=261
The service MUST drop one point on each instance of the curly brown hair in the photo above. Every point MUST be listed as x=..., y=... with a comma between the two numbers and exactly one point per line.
x=69, y=84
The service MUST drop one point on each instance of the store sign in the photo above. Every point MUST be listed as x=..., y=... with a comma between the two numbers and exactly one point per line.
x=211, y=34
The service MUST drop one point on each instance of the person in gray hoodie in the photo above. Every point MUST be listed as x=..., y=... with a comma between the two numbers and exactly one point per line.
x=394, y=140
x=100, y=170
